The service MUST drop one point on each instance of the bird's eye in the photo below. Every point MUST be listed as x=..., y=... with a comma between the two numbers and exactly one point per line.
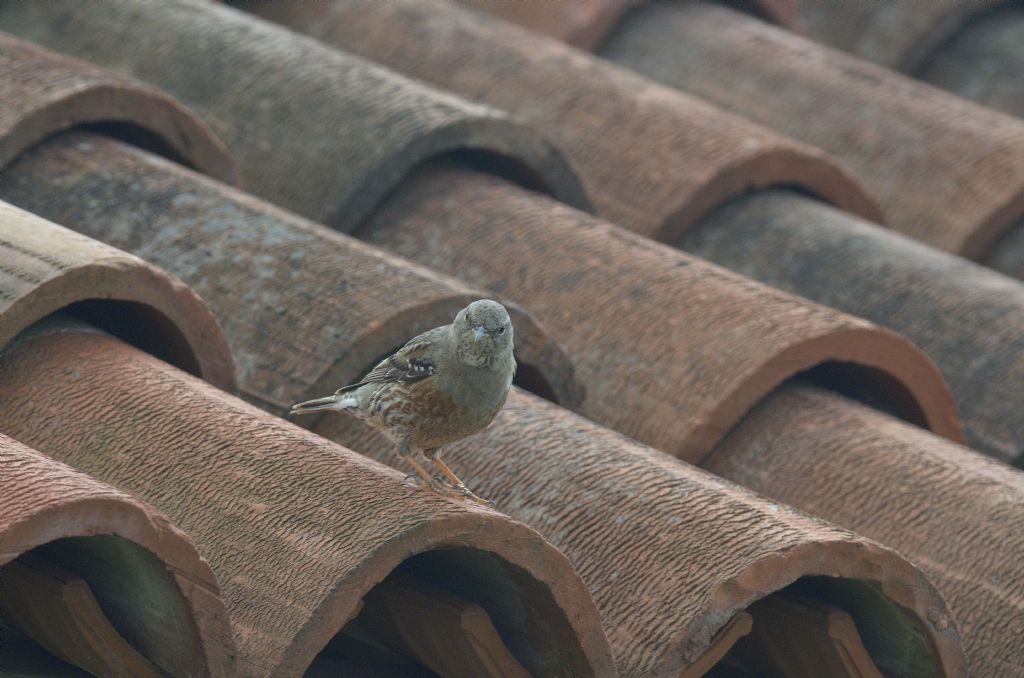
x=501, y=330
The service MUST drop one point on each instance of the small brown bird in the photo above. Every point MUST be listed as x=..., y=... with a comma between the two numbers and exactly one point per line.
x=444, y=385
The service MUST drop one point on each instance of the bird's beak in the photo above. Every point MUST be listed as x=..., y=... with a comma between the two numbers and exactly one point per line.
x=478, y=332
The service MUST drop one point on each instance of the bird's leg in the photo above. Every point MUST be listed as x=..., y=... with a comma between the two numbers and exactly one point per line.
x=405, y=451
x=434, y=455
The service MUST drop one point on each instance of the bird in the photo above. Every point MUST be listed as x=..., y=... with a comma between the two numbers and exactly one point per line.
x=443, y=385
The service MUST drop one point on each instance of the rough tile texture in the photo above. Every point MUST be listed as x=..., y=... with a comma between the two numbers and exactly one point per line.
x=45, y=268
x=899, y=35
x=984, y=61
x=681, y=156
x=953, y=512
x=671, y=351
x=296, y=528
x=945, y=171
x=1007, y=255
x=361, y=303
x=584, y=23
x=321, y=132
x=670, y=553
x=272, y=276
x=45, y=92
x=543, y=465
x=42, y=500
x=968, y=319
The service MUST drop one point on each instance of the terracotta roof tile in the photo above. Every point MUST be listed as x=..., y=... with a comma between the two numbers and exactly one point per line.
x=945, y=171
x=92, y=525
x=360, y=304
x=297, y=529
x=275, y=277
x=669, y=552
x=585, y=23
x=983, y=61
x=876, y=111
x=826, y=455
x=45, y=268
x=898, y=35
x=44, y=93
x=689, y=346
x=968, y=319
x=684, y=155
x=263, y=89
x=528, y=467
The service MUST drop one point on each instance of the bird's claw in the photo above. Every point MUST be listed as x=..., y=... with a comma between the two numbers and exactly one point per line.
x=433, y=485
x=467, y=494
x=443, y=486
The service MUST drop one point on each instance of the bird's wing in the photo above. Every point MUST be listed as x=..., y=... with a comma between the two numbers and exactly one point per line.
x=412, y=362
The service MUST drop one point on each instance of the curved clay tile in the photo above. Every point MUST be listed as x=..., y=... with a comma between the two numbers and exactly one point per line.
x=585, y=23
x=642, y=322
x=653, y=160
x=1007, y=254
x=984, y=61
x=945, y=171
x=671, y=553
x=544, y=465
x=260, y=266
x=826, y=455
x=900, y=35
x=689, y=346
x=968, y=319
x=45, y=268
x=341, y=130
x=44, y=93
x=297, y=529
x=88, y=524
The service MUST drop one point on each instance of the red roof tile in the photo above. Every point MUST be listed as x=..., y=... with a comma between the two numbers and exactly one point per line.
x=585, y=23
x=670, y=553
x=263, y=89
x=47, y=268
x=44, y=501
x=332, y=305
x=898, y=35
x=682, y=157
x=296, y=528
x=629, y=143
x=44, y=93
x=539, y=458
x=688, y=346
x=965, y=317
x=939, y=504
x=945, y=171
x=984, y=61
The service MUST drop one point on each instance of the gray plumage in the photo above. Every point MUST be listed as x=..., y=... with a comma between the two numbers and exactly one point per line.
x=442, y=386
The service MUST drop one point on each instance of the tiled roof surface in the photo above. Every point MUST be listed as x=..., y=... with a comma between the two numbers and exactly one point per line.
x=45, y=502
x=44, y=92
x=245, y=254
x=944, y=171
x=296, y=529
x=685, y=155
x=538, y=485
x=607, y=556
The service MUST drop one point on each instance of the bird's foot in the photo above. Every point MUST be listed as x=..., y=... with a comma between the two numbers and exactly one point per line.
x=441, y=485
x=460, y=491
x=466, y=494
x=433, y=485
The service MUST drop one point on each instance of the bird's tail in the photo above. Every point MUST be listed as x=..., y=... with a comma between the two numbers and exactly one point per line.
x=336, y=402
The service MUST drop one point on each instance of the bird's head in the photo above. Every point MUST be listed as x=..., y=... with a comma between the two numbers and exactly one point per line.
x=483, y=332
